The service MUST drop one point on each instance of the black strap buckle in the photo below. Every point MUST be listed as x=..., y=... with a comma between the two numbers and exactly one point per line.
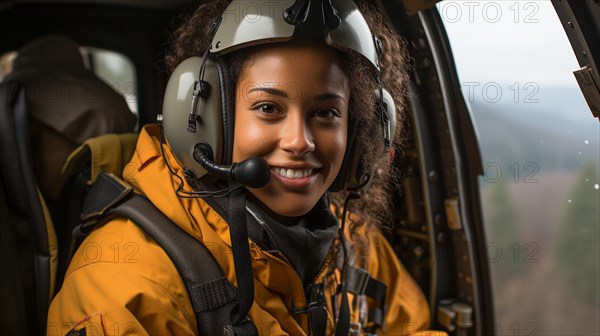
x=315, y=296
x=316, y=309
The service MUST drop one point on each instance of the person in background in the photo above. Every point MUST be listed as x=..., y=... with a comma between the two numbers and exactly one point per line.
x=67, y=103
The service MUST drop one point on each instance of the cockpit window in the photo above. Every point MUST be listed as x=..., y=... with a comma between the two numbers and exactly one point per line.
x=114, y=68
x=540, y=144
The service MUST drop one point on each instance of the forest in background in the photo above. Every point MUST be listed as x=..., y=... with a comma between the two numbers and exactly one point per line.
x=542, y=216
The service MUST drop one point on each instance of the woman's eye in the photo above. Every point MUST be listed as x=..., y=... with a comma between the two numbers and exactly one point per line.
x=266, y=108
x=327, y=113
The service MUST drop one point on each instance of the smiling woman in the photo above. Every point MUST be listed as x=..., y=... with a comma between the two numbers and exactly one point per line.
x=292, y=110
x=314, y=105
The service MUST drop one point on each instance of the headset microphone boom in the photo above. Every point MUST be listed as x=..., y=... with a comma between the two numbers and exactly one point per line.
x=252, y=172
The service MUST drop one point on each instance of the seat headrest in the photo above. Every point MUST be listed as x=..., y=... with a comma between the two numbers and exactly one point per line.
x=62, y=94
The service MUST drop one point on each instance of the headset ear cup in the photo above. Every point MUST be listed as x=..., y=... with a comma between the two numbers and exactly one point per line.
x=177, y=105
x=353, y=174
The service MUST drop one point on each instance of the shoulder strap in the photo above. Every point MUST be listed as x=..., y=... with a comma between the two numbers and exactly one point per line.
x=360, y=282
x=212, y=296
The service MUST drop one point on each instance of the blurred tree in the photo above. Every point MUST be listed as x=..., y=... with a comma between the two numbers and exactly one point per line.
x=578, y=244
x=501, y=217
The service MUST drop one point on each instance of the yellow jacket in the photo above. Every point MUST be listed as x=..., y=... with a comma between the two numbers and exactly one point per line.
x=121, y=282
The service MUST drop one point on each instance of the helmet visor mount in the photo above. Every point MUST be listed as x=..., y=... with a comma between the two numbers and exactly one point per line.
x=245, y=24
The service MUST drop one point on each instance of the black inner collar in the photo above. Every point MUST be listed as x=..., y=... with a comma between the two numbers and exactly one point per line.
x=304, y=245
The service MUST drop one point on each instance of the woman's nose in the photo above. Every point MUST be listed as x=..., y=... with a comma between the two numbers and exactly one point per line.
x=297, y=138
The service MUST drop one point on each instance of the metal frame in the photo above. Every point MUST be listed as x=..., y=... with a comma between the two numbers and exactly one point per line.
x=581, y=21
x=439, y=209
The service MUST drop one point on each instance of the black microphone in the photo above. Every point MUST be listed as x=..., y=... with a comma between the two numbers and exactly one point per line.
x=253, y=172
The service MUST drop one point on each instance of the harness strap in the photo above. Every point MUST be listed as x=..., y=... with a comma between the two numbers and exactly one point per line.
x=377, y=290
x=317, y=311
x=343, y=325
x=360, y=282
x=212, y=296
x=220, y=308
x=243, y=264
x=318, y=321
x=357, y=279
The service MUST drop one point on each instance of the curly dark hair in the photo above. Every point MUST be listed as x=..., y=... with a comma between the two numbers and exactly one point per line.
x=192, y=39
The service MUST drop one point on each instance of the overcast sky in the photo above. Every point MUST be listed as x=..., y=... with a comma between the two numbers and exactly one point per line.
x=509, y=41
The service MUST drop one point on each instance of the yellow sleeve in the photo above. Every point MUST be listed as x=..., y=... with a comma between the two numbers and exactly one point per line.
x=119, y=294
x=407, y=310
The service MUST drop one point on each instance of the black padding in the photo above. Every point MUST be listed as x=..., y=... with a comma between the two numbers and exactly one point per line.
x=26, y=217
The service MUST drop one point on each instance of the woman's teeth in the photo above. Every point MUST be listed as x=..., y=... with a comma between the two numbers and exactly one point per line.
x=293, y=173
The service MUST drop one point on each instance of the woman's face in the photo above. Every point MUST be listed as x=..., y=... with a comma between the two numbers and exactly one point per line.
x=292, y=110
